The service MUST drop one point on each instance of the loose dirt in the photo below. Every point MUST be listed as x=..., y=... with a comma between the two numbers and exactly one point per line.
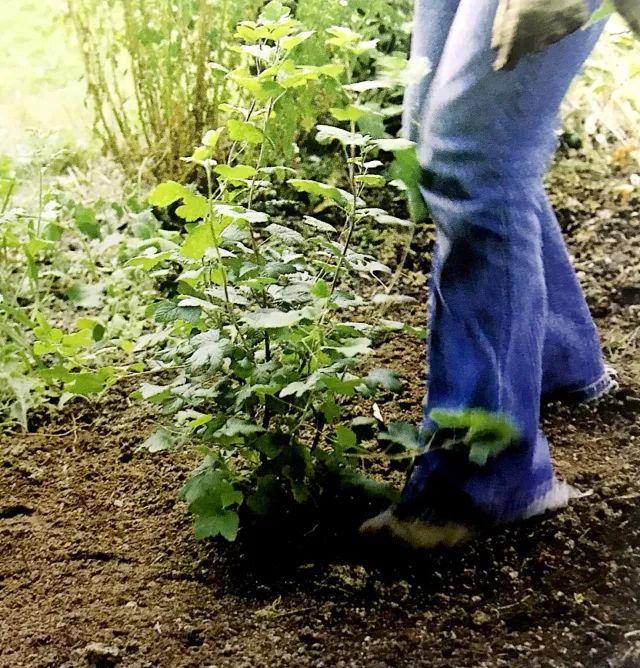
x=98, y=565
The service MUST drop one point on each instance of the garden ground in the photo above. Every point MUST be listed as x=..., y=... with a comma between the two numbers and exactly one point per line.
x=98, y=565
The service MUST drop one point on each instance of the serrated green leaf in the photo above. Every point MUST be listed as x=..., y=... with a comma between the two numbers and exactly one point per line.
x=150, y=260
x=345, y=438
x=85, y=220
x=230, y=496
x=168, y=311
x=337, y=385
x=167, y=193
x=300, y=491
x=287, y=235
x=237, y=427
x=197, y=242
x=297, y=388
x=83, y=338
x=209, y=349
x=402, y=433
x=199, y=421
x=151, y=392
x=208, y=495
x=321, y=190
x=351, y=112
x=194, y=207
x=381, y=216
x=321, y=289
x=270, y=318
x=211, y=138
x=385, y=378
x=330, y=411
x=87, y=383
x=393, y=145
x=486, y=433
x=225, y=524
x=354, y=347
x=328, y=133
x=243, y=131
x=200, y=155
x=290, y=42
x=407, y=169
x=161, y=439
x=273, y=12
x=319, y=225
x=235, y=173
x=371, y=180
x=35, y=246
x=96, y=328
x=332, y=70
x=342, y=36
x=239, y=213
x=275, y=269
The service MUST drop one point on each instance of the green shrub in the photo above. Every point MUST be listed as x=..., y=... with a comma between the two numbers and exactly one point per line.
x=268, y=331
x=148, y=73
x=69, y=311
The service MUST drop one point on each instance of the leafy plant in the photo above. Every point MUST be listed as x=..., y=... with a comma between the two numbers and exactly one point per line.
x=267, y=333
x=148, y=74
x=386, y=22
x=8, y=182
x=485, y=433
x=69, y=312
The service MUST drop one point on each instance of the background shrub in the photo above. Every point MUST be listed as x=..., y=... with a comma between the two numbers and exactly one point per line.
x=155, y=70
x=148, y=73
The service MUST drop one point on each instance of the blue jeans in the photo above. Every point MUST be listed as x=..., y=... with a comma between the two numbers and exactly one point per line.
x=509, y=322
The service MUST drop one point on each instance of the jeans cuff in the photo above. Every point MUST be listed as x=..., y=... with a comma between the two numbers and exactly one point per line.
x=549, y=499
x=608, y=382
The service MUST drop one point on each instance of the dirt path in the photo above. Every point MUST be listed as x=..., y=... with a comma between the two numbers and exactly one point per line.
x=98, y=565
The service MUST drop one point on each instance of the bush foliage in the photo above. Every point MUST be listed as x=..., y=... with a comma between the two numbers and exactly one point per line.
x=155, y=70
x=268, y=331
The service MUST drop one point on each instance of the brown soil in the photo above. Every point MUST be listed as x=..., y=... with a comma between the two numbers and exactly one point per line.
x=98, y=565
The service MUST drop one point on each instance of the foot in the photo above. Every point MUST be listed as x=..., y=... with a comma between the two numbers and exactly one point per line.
x=417, y=532
x=432, y=527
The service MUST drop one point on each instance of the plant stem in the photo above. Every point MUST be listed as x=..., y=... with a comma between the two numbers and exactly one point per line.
x=223, y=269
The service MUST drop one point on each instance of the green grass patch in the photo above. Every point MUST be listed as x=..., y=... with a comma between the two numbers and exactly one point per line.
x=40, y=87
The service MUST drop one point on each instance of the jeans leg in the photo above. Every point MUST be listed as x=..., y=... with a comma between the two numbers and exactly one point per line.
x=431, y=23
x=572, y=362
x=485, y=140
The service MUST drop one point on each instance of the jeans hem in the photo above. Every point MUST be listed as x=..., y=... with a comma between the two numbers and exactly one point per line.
x=554, y=498
x=548, y=499
x=592, y=392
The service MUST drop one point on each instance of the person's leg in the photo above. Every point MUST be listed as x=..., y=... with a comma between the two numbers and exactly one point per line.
x=432, y=21
x=572, y=364
x=485, y=139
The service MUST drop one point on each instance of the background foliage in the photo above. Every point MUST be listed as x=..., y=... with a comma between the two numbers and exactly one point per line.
x=154, y=71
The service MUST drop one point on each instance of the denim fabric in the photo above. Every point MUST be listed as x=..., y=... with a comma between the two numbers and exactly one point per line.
x=509, y=322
